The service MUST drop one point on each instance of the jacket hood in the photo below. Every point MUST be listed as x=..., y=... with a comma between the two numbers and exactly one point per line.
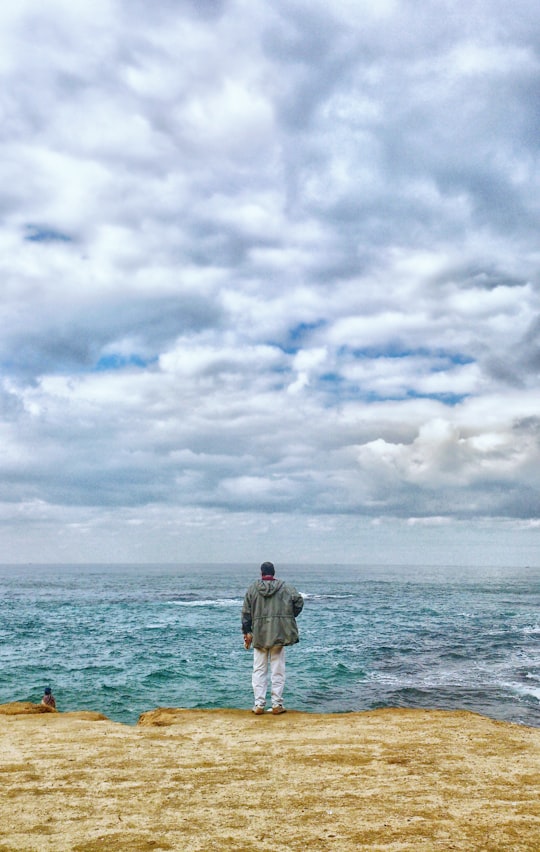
x=267, y=588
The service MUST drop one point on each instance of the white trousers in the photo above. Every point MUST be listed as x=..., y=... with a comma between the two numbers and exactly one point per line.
x=261, y=658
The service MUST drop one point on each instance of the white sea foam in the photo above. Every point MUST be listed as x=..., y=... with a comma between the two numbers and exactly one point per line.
x=525, y=689
x=314, y=597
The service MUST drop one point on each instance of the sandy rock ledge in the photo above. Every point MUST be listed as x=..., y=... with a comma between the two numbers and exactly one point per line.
x=222, y=780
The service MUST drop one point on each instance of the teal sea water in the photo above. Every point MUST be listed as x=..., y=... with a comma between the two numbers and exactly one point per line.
x=125, y=639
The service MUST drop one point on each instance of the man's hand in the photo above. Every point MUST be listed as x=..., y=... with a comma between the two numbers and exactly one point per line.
x=248, y=639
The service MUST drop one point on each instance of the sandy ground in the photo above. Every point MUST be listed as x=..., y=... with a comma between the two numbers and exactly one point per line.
x=228, y=780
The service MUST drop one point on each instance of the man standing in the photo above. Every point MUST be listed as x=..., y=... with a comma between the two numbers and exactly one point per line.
x=269, y=624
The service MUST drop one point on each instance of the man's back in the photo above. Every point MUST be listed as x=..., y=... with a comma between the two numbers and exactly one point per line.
x=269, y=613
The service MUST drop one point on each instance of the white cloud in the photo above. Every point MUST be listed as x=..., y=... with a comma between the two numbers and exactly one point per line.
x=269, y=275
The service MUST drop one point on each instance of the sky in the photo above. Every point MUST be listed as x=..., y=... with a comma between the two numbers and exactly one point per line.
x=270, y=281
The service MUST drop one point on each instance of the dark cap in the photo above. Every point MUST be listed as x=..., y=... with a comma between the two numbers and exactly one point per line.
x=268, y=568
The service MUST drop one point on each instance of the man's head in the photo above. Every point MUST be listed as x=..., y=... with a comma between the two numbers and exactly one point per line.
x=267, y=569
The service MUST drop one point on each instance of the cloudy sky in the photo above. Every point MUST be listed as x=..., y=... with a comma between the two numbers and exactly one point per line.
x=270, y=281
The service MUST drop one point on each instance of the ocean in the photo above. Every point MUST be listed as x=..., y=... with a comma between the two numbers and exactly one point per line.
x=123, y=639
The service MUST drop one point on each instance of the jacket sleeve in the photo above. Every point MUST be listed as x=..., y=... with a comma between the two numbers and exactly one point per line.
x=298, y=603
x=246, y=614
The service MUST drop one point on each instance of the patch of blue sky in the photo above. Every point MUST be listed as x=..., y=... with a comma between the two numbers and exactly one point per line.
x=43, y=234
x=450, y=399
x=339, y=389
x=297, y=335
x=120, y=362
x=375, y=353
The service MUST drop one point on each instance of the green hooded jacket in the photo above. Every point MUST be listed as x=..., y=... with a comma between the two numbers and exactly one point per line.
x=269, y=613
